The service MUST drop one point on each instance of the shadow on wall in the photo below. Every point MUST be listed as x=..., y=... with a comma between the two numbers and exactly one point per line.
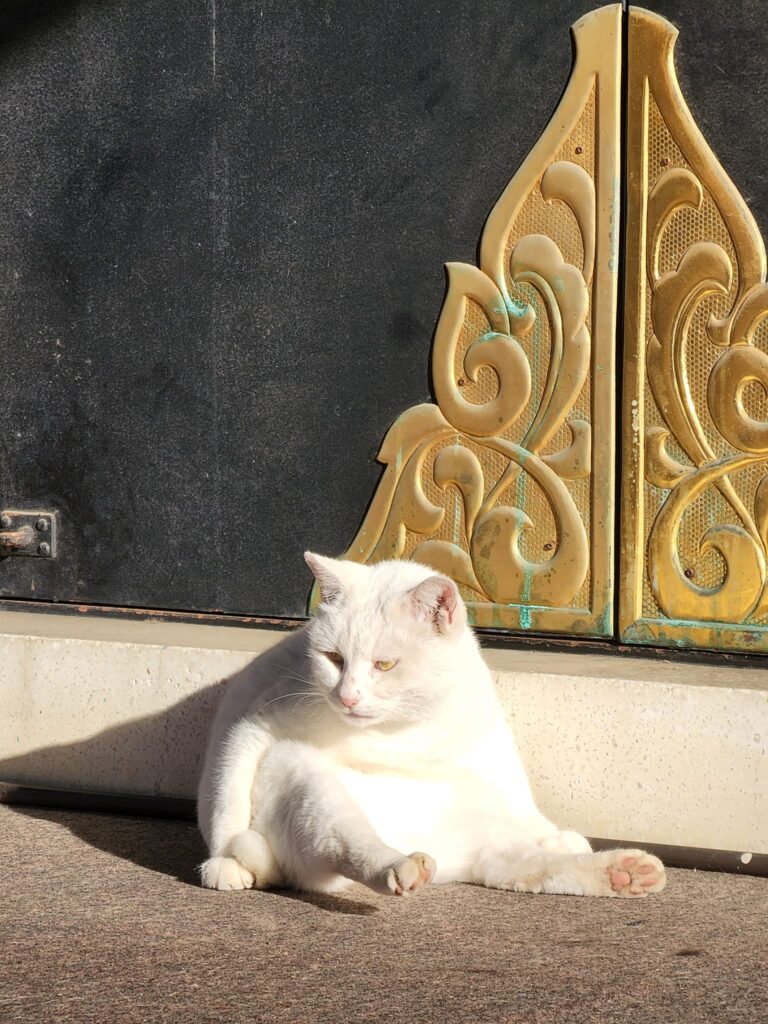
x=151, y=744
x=156, y=755
x=164, y=751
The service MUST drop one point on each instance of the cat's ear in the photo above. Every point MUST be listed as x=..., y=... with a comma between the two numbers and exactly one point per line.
x=437, y=600
x=332, y=574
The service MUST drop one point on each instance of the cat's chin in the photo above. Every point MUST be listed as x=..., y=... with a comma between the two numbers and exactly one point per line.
x=359, y=719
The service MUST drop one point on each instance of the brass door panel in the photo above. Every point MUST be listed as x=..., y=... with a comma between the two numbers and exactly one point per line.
x=506, y=483
x=695, y=439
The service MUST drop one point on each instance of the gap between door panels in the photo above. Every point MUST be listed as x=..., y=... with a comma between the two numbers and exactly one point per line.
x=621, y=291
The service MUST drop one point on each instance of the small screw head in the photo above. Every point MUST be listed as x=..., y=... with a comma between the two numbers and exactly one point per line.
x=549, y=545
x=5, y=522
x=461, y=382
x=665, y=161
x=44, y=549
x=42, y=525
x=579, y=150
x=689, y=573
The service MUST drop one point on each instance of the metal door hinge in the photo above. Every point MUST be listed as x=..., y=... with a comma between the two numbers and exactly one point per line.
x=28, y=533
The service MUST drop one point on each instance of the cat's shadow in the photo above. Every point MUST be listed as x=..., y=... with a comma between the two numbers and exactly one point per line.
x=330, y=903
x=172, y=848
x=165, y=846
x=168, y=846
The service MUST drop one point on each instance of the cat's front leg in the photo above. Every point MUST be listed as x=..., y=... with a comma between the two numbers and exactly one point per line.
x=224, y=804
x=320, y=835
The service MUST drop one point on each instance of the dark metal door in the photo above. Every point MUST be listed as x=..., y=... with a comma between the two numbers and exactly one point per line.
x=223, y=232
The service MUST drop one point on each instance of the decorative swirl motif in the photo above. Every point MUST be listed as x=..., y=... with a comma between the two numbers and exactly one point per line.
x=674, y=190
x=740, y=591
x=703, y=270
x=738, y=366
x=459, y=467
x=660, y=468
x=714, y=297
x=482, y=481
x=538, y=261
x=749, y=314
x=497, y=348
x=506, y=575
x=449, y=559
x=492, y=564
x=574, y=462
x=573, y=186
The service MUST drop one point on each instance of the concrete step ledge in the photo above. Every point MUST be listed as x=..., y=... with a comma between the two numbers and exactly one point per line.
x=652, y=751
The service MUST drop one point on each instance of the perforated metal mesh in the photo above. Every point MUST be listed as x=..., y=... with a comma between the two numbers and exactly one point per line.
x=686, y=227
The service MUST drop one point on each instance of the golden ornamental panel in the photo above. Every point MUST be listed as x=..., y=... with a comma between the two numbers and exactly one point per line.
x=695, y=452
x=506, y=482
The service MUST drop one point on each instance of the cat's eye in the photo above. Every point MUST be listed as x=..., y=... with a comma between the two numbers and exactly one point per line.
x=335, y=658
x=384, y=666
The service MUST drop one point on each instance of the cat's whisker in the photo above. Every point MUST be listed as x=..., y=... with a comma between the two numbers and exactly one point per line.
x=311, y=700
x=283, y=696
x=307, y=680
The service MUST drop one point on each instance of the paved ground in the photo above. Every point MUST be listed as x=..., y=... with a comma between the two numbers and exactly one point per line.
x=101, y=921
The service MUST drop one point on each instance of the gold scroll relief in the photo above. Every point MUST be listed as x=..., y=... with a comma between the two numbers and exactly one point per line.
x=506, y=483
x=695, y=473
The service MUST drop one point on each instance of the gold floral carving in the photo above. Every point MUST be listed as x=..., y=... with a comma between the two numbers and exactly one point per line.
x=695, y=505
x=506, y=483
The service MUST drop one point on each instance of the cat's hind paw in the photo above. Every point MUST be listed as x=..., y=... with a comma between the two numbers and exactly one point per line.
x=410, y=874
x=225, y=873
x=634, y=873
x=566, y=842
x=252, y=852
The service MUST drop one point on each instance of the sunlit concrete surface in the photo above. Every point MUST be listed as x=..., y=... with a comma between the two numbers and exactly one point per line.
x=631, y=748
x=102, y=920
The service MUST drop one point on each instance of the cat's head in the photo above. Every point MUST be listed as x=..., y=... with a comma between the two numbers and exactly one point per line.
x=387, y=641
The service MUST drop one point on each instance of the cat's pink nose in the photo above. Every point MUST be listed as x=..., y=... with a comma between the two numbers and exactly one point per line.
x=349, y=699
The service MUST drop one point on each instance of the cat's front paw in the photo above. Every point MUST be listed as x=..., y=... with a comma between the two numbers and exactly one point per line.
x=225, y=873
x=410, y=874
x=634, y=873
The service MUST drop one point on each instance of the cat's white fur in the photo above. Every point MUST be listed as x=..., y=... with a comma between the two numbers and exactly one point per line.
x=325, y=765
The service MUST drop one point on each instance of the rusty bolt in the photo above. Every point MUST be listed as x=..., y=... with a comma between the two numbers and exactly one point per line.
x=5, y=522
x=42, y=525
x=44, y=549
x=689, y=573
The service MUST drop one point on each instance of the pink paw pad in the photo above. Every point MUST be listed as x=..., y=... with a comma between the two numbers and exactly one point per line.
x=619, y=879
x=635, y=873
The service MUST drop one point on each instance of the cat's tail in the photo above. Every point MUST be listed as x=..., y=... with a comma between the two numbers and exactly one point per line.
x=252, y=850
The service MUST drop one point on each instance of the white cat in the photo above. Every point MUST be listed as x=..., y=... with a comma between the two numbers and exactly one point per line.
x=375, y=731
